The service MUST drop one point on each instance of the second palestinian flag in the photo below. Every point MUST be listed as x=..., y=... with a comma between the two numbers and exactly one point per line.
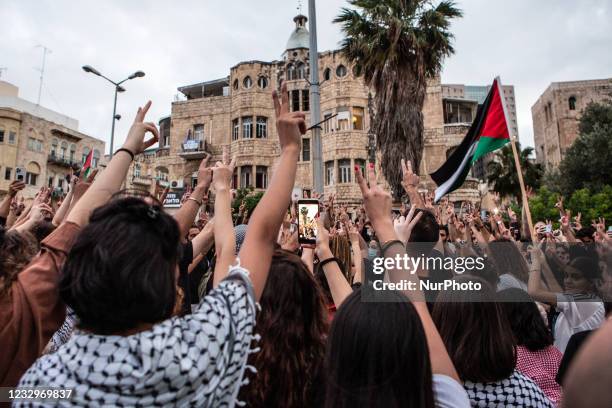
x=488, y=132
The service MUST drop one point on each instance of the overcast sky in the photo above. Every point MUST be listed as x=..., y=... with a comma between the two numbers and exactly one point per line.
x=528, y=43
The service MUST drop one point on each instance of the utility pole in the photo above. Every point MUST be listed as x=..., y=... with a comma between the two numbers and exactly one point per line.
x=315, y=100
x=42, y=70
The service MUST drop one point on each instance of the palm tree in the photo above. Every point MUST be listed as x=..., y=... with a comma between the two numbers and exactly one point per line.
x=502, y=174
x=398, y=45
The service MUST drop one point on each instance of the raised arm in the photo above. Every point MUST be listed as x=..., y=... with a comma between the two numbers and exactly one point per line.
x=5, y=205
x=63, y=210
x=338, y=286
x=110, y=180
x=534, y=286
x=256, y=252
x=225, y=238
x=377, y=203
x=188, y=211
x=410, y=182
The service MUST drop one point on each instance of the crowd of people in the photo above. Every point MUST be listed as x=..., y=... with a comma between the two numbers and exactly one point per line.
x=109, y=296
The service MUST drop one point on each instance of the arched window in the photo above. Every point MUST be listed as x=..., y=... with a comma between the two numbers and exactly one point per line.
x=72, y=152
x=85, y=154
x=32, y=172
x=356, y=71
x=137, y=170
x=161, y=173
x=344, y=171
x=247, y=82
x=290, y=72
x=63, y=150
x=341, y=71
x=327, y=74
x=572, y=103
x=235, y=84
x=53, y=147
x=262, y=82
x=96, y=158
x=300, y=70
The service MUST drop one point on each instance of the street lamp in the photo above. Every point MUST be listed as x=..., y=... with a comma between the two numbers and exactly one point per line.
x=118, y=88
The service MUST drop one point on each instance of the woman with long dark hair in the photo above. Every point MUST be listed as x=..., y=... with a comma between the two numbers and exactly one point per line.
x=377, y=355
x=479, y=340
x=386, y=352
x=293, y=326
x=536, y=357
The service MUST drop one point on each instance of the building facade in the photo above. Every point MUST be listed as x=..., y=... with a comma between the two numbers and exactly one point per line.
x=556, y=115
x=237, y=112
x=38, y=145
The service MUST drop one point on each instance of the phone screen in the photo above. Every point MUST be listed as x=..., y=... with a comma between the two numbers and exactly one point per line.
x=307, y=221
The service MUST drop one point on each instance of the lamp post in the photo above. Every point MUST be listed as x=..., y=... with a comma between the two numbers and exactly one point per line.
x=118, y=88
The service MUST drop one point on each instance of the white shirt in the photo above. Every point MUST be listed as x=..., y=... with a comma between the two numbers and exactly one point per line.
x=448, y=393
x=577, y=313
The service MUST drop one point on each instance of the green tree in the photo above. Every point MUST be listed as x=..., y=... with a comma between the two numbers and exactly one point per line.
x=588, y=161
x=503, y=176
x=249, y=196
x=398, y=45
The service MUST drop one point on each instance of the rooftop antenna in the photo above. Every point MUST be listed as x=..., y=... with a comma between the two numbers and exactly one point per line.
x=42, y=69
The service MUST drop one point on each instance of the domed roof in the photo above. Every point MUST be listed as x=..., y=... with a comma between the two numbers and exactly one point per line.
x=300, y=37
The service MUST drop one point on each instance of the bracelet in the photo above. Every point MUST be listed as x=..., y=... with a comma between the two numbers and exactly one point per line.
x=389, y=244
x=125, y=150
x=328, y=260
x=199, y=203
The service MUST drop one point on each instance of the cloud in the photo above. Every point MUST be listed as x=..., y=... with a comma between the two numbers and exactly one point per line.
x=529, y=44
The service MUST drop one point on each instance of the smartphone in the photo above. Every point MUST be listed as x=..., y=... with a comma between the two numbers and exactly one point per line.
x=548, y=229
x=308, y=210
x=19, y=173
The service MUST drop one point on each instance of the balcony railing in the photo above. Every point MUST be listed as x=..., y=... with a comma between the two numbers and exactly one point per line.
x=142, y=180
x=62, y=161
x=194, y=149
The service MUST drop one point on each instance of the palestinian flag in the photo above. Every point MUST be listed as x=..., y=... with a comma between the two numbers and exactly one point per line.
x=86, y=169
x=488, y=132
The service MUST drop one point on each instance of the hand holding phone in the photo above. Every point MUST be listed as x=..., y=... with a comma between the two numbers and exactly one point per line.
x=308, y=210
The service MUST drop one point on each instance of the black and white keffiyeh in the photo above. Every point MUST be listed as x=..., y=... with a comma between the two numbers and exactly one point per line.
x=514, y=391
x=196, y=360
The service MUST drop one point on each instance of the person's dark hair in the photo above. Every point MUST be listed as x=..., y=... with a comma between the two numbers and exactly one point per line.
x=585, y=232
x=377, y=355
x=525, y=319
x=443, y=228
x=588, y=267
x=17, y=249
x=293, y=325
x=476, y=332
x=121, y=270
x=488, y=273
x=425, y=233
x=508, y=259
x=42, y=229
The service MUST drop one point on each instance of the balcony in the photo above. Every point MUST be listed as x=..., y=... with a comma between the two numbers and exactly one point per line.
x=62, y=161
x=194, y=149
x=142, y=180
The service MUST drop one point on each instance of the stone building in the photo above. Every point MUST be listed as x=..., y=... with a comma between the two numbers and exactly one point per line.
x=557, y=112
x=237, y=111
x=39, y=145
x=460, y=104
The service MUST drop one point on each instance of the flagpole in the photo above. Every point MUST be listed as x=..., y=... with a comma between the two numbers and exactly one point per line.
x=517, y=162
